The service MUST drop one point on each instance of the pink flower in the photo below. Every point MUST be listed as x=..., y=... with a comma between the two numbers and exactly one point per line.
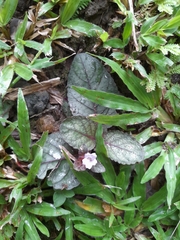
x=89, y=160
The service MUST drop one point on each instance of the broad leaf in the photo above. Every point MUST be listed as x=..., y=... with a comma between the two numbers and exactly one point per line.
x=79, y=132
x=51, y=154
x=87, y=71
x=122, y=148
x=63, y=177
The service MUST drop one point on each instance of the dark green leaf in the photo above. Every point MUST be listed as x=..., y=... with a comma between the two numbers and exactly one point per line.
x=23, y=124
x=111, y=100
x=69, y=228
x=6, y=76
x=138, y=188
x=4, y=46
x=109, y=175
x=152, y=149
x=46, y=209
x=34, y=45
x=154, y=168
x=69, y=10
x=45, y=8
x=170, y=173
x=91, y=229
x=21, y=29
x=23, y=71
x=134, y=85
x=89, y=29
x=121, y=120
x=40, y=226
x=154, y=41
x=2, y=199
x=114, y=43
x=147, y=24
x=155, y=200
x=7, y=10
x=37, y=159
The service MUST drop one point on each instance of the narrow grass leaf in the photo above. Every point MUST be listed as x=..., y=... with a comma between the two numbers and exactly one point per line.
x=155, y=200
x=91, y=229
x=6, y=132
x=161, y=213
x=89, y=29
x=138, y=188
x=154, y=168
x=7, y=10
x=23, y=123
x=148, y=24
x=69, y=10
x=149, y=100
x=109, y=175
x=171, y=127
x=152, y=149
x=37, y=159
x=112, y=100
x=34, y=45
x=122, y=119
x=29, y=228
x=6, y=76
x=45, y=8
x=7, y=183
x=122, y=180
x=129, y=200
x=17, y=149
x=144, y=135
x=46, y=209
x=170, y=173
x=4, y=46
x=23, y=71
x=21, y=29
x=68, y=227
x=40, y=226
x=19, y=231
x=92, y=205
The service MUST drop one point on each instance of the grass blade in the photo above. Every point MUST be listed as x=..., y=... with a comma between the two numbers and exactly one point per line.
x=23, y=124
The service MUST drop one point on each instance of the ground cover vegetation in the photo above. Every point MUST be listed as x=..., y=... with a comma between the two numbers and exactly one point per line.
x=107, y=165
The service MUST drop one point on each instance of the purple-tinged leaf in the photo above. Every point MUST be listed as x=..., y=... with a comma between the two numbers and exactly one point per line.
x=79, y=132
x=123, y=148
x=88, y=72
x=63, y=177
